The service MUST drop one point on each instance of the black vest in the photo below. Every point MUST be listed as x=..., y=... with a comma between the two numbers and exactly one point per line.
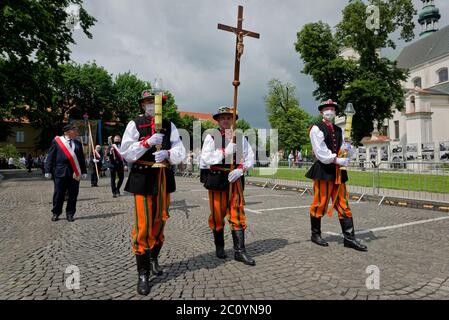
x=143, y=179
x=333, y=140
x=217, y=180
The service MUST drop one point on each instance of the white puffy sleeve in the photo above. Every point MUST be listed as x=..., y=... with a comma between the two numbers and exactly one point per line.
x=248, y=155
x=210, y=155
x=177, y=151
x=131, y=148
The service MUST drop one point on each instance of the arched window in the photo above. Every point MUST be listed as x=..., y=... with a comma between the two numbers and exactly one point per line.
x=412, y=105
x=442, y=75
x=417, y=82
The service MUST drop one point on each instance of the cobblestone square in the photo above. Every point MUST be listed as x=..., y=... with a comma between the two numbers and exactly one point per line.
x=410, y=248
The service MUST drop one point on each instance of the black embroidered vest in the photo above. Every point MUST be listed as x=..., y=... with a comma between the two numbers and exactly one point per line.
x=333, y=140
x=143, y=179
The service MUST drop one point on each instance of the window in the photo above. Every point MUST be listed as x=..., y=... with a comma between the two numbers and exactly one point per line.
x=412, y=105
x=442, y=75
x=396, y=130
x=20, y=136
x=417, y=82
x=385, y=131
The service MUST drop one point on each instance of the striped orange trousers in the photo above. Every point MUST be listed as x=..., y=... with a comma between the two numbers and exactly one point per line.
x=323, y=192
x=221, y=208
x=150, y=216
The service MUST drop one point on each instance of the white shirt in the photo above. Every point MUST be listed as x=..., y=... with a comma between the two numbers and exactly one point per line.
x=132, y=149
x=319, y=147
x=203, y=165
x=211, y=156
x=66, y=138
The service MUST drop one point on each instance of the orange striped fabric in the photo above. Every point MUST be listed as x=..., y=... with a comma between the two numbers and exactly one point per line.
x=323, y=192
x=150, y=216
x=221, y=208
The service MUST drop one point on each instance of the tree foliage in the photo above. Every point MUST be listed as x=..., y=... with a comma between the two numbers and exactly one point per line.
x=371, y=83
x=285, y=115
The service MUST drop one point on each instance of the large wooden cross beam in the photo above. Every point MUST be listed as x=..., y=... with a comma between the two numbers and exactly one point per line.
x=240, y=34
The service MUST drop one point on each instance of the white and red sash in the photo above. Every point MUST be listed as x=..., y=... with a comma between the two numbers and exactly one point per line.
x=70, y=154
x=117, y=151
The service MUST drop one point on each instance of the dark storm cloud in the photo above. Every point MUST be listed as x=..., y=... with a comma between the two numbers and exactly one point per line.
x=178, y=41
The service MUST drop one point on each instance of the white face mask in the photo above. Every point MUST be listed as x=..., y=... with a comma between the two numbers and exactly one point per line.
x=329, y=115
x=149, y=109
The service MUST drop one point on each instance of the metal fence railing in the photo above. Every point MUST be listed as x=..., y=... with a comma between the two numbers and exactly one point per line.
x=408, y=180
x=428, y=181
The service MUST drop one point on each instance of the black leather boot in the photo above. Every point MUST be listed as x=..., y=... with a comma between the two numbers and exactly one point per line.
x=347, y=226
x=154, y=263
x=316, y=232
x=238, y=236
x=143, y=269
x=219, y=244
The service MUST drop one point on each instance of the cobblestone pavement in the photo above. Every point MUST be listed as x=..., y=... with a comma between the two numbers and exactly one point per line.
x=412, y=257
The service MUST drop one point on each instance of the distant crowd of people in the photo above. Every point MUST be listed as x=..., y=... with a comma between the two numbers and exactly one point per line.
x=24, y=161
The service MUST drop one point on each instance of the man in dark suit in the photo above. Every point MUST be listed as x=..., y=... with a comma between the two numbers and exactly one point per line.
x=117, y=165
x=66, y=164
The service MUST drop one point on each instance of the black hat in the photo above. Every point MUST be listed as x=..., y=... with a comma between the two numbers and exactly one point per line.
x=146, y=94
x=328, y=103
x=225, y=110
x=150, y=94
x=68, y=127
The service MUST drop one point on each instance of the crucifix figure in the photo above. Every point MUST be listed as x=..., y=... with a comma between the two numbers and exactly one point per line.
x=240, y=34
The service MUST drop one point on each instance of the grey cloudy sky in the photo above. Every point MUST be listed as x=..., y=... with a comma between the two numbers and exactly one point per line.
x=178, y=41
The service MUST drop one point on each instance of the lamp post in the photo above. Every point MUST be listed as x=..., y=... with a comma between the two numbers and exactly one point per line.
x=349, y=112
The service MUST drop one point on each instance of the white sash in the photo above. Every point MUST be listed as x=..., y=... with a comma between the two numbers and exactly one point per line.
x=70, y=154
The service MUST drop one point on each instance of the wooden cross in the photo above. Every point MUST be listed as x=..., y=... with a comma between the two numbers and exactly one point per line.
x=240, y=34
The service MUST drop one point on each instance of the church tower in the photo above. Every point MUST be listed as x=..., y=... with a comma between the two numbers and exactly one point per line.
x=428, y=18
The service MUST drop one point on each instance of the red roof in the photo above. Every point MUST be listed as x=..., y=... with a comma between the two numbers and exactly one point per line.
x=374, y=140
x=198, y=115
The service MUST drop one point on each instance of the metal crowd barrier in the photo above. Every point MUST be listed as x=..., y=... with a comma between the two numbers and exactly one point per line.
x=424, y=181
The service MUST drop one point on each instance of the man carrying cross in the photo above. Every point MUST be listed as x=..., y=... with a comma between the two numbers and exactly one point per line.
x=219, y=152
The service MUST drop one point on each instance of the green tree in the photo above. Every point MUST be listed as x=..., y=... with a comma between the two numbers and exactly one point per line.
x=372, y=84
x=70, y=91
x=127, y=91
x=285, y=115
x=170, y=110
x=243, y=125
x=34, y=36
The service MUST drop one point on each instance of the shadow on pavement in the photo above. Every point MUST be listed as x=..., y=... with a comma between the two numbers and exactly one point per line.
x=99, y=216
x=254, y=249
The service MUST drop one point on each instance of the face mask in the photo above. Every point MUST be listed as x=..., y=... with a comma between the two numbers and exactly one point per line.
x=149, y=109
x=329, y=115
x=116, y=141
x=98, y=149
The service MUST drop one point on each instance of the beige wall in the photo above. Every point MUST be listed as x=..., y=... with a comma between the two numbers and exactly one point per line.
x=428, y=73
x=30, y=136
